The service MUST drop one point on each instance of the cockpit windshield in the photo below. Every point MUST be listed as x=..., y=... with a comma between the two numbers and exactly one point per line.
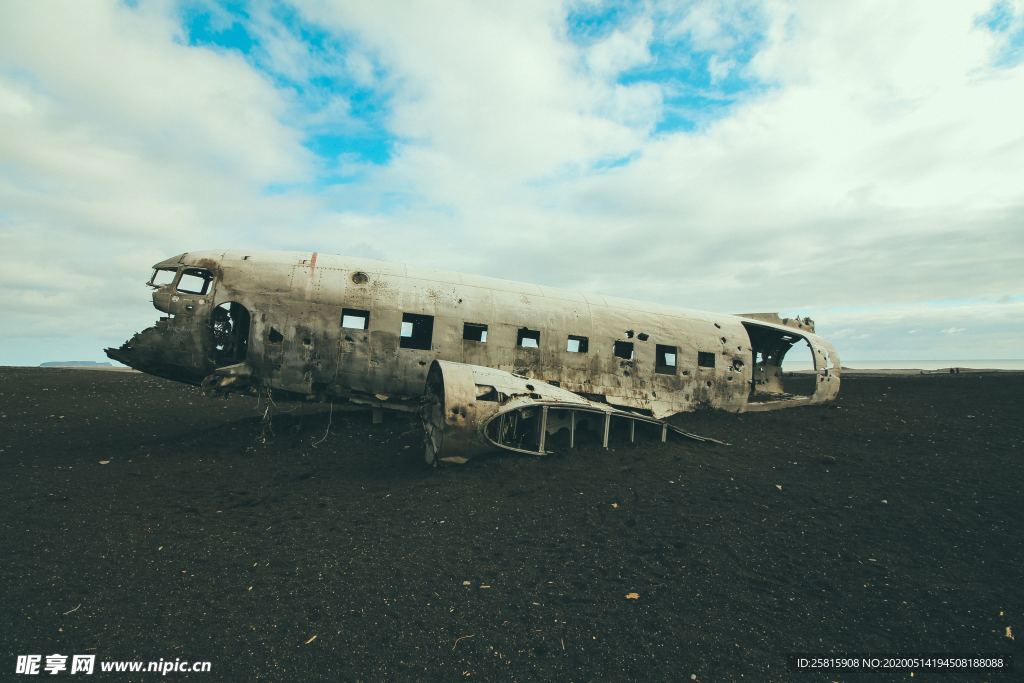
x=162, y=277
x=195, y=281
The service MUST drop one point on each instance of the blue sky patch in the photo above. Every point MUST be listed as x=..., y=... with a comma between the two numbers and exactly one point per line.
x=344, y=114
x=699, y=85
x=310, y=63
x=1009, y=28
x=226, y=30
x=589, y=23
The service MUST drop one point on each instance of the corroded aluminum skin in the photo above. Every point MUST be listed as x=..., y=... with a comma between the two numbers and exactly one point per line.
x=462, y=403
x=301, y=295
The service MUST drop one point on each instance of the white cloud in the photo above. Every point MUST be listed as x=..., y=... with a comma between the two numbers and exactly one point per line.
x=121, y=146
x=882, y=166
x=979, y=330
x=878, y=172
x=719, y=68
x=495, y=97
x=621, y=50
x=121, y=76
x=360, y=68
x=712, y=25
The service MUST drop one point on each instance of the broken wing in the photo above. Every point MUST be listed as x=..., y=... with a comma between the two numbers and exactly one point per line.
x=471, y=409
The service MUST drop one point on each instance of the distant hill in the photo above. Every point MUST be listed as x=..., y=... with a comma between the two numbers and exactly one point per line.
x=72, y=364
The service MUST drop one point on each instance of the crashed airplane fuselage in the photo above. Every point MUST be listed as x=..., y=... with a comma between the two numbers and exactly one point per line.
x=488, y=363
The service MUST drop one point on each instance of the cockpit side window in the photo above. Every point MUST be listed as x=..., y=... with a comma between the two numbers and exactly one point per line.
x=195, y=281
x=162, y=277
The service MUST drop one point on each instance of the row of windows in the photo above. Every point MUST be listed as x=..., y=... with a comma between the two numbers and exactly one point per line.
x=418, y=330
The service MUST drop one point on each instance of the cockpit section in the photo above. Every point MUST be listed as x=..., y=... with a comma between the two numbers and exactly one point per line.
x=190, y=341
x=181, y=289
x=162, y=277
x=185, y=280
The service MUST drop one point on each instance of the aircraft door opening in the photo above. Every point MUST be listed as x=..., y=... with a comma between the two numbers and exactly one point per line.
x=230, y=326
x=771, y=379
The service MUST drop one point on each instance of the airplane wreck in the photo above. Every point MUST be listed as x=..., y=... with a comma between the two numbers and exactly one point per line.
x=488, y=364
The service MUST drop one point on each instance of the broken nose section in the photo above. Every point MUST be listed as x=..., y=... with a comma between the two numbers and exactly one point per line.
x=165, y=351
x=121, y=355
x=130, y=354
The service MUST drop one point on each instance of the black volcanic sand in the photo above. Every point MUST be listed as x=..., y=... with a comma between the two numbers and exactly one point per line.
x=887, y=522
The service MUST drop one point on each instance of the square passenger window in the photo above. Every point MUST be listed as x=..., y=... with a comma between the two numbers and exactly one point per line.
x=624, y=349
x=354, y=319
x=665, y=359
x=417, y=331
x=705, y=359
x=528, y=339
x=474, y=332
x=576, y=344
x=194, y=281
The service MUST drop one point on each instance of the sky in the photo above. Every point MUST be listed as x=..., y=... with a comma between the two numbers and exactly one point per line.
x=861, y=163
